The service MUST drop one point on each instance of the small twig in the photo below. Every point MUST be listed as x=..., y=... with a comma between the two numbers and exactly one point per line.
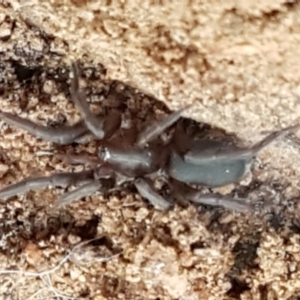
x=45, y=275
x=63, y=261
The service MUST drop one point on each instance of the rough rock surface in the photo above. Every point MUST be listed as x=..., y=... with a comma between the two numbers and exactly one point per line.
x=237, y=62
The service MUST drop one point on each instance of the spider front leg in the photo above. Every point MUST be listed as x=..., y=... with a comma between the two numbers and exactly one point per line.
x=152, y=131
x=38, y=183
x=60, y=135
x=100, y=128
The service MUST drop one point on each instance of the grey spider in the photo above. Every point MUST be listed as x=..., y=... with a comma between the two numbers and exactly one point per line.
x=162, y=149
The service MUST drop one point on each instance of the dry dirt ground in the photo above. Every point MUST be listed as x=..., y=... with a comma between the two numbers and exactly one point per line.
x=238, y=63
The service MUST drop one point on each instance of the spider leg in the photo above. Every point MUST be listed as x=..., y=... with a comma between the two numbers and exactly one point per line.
x=104, y=178
x=93, y=123
x=273, y=136
x=112, y=123
x=155, y=129
x=198, y=158
x=61, y=135
x=147, y=191
x=38, y=183
x=184, y=193
x=215, y=199
x=84, y=159
x=83, y=191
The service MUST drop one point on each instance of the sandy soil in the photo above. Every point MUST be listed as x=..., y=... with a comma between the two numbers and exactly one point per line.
x=237, y=63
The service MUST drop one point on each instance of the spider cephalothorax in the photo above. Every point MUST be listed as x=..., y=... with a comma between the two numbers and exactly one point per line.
x=140, y=152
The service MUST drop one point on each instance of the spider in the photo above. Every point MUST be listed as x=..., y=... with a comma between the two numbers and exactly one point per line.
x=171, y=148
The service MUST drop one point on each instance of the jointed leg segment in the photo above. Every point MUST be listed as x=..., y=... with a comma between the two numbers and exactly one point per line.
x=85, y=190
x=61, y=135
x=215, y=199
x=155, y=129
x=147, y=191
x=198, y=158
x=39, y=183
x=93, y=123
